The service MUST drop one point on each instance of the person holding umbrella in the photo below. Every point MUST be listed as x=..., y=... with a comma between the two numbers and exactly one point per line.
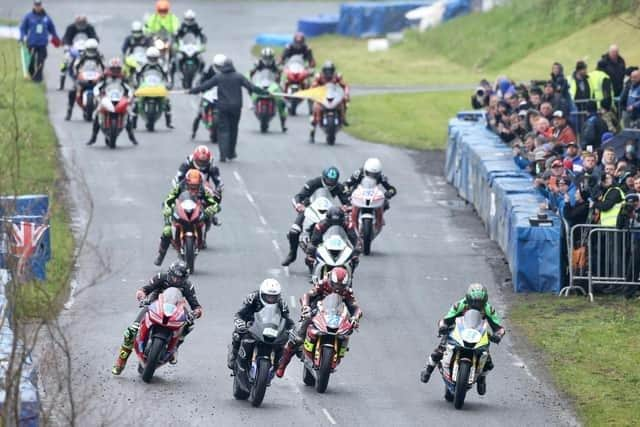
x=35, y=30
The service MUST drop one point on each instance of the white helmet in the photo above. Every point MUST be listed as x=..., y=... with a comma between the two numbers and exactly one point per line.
x=152, y=54
x=373, y=167
x=189, y=16
x=136, y=27
x=91, y=47
x=218, y=61
x=270, y=291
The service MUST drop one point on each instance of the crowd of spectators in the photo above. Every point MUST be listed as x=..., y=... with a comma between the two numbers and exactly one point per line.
x=562, y=132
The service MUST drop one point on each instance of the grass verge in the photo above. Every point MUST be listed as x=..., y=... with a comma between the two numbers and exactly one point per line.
x=591, y=350
x=30, y=164
x=8, y=21
x=413, y=120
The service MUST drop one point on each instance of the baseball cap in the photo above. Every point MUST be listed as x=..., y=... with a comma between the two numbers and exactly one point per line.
x=558, y=113
x=37, y=2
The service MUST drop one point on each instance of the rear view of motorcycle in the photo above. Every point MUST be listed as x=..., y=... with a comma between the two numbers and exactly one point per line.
x=209, y=113
x=297, y=76
x=258, y=355
x=88, y=76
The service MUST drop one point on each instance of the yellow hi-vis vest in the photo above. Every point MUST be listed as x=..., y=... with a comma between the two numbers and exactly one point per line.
x=596, y=79
x=610, y=218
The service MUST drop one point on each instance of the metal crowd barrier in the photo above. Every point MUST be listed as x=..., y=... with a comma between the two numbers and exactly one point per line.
x=602, y=256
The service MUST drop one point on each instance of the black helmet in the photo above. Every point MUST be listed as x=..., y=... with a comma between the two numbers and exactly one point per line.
x=335, y=215
x=328, y=70
x=298, y=39
x=330, y=177
x=178, y=271
x=476, y=296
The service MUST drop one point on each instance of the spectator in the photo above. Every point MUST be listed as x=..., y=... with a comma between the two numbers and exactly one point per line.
x=503, y=86
x=601, y=86
x=630, y=101
x=35, y=30
x=535, y=98
x=593, y=128
x=576, y=208
x=614, y=66
x=561, y=130
x=481, y=98
x=589, y=168
x=513, y=101
x=532, y=117
x=543, y=128
x=609, y=203
x=546, y=111
x=579, y=86
x=608, y=152
x=573, y=155
x=630, y=153
x=554, y=98
x=561, y=85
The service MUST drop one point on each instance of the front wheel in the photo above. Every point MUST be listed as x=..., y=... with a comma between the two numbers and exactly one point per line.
x=325, y=369
x=190, y=252
x=113, y=133
x=330, y=130
x=367, y=235
x=461, y=383
x=156, y=348
x=260, y=383
x=88, y=107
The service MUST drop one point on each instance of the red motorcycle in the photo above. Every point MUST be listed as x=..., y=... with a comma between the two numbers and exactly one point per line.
x=160, y=331
x=326, y=342
x=297, y=78
x=189, y=228
x=113, y=113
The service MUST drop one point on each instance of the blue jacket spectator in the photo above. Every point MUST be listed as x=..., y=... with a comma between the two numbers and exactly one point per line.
x=35, y=30
x=630, y=98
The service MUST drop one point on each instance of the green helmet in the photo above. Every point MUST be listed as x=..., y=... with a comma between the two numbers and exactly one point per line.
x=476, y=296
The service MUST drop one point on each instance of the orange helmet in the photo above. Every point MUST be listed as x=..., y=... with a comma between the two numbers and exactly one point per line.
x=162, y=7
x=193, y=179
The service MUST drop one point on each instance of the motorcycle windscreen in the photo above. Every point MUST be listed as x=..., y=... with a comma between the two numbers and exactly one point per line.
x=268, y=323
x=334, y=96
x=473, y=326
x=368, y=194
x=333, y=308
x=113, y=92
x=264, y=78
x=171, y=298
x=152, y=85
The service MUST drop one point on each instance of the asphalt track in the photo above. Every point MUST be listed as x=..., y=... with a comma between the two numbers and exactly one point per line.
x=430, y=250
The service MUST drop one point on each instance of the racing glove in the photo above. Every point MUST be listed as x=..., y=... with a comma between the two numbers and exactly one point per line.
x=241, y=326
x=443, y=330
x=305, y=312
x=197, y=313
x=140, y=295
x=210, y=211
x=355, y=322
x=299, y=207
x=389, y=194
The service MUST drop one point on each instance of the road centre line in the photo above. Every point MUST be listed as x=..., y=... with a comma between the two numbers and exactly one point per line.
x=329, y=417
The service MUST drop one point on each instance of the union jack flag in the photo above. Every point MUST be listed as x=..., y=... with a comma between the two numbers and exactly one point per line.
x=26, y=237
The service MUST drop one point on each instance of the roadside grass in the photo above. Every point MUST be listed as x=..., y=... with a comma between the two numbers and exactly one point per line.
x=591, y=349
x=413, y=120
x=32, y=167
x=8, y=21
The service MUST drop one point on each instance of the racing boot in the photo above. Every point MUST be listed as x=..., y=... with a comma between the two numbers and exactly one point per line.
x=481, y=384
x=94, y=132
x=162, y=250
x=126, y=348
x=233, y=352
x=167, y=118
x=312, y=135
x=435, y=357
x=71, y=95
x=293, y=249
x=287, y=353
x=194, y=127
x=283, y=124
x=130, y=133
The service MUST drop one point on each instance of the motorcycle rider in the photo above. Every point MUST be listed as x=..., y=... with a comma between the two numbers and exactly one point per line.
x=267, y=61
x=90, y=53
x=177, y=276
x=189, y=25
x=268, y=293
x=202, y=159
x=335, y=216
x=113, y=74
x=328, y=75
x=153, y=56
x=336, y=281
x=163, y=19
x=476, y=298
x=80, y=25
x=135, y=39
x=329, y=179
x=192, y=183
x=372, y=168
x=214, y=68
x=298, y=47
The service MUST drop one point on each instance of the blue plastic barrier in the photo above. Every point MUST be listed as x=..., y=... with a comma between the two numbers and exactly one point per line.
x=372, y=19
x=455, y=8
x=312, y=26
x=33, y=204
x=271, y=39
x=484, y=173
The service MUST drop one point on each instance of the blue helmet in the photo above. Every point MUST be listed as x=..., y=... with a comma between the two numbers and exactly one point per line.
x=330, y=177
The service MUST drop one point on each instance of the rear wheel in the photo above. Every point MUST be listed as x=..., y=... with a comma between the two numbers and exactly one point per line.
x=190, y=252
x=156, y=348
x=461, y=383
x=264, y=124
x=367, y=235
x=324, y=372
x=307, y=377
x=330, y=130
x=238, y=392
x=260, y=385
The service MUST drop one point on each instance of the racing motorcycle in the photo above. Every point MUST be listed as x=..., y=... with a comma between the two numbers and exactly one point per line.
x=466, y=352
x=87, y=79
x=264, y=106
x=113, y=112
x=188, y=58
x=335, y=251
x=189, y=228
x=319, y=203
x=326, y=341
x=160, y=331
x=150, y=97
x=134, y=63
x=330, y=120
x=70, y=54
x=259, y=354
x=367, y=202
x=209, y=113
x=297, y=76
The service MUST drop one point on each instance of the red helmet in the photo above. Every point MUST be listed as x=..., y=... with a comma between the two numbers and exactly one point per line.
x=115, y=66
x=202, y=157
x=298, y=38
x=339, y=279
x=193, y=179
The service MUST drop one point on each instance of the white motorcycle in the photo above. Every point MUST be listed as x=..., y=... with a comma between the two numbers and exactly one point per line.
x=335, y=251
